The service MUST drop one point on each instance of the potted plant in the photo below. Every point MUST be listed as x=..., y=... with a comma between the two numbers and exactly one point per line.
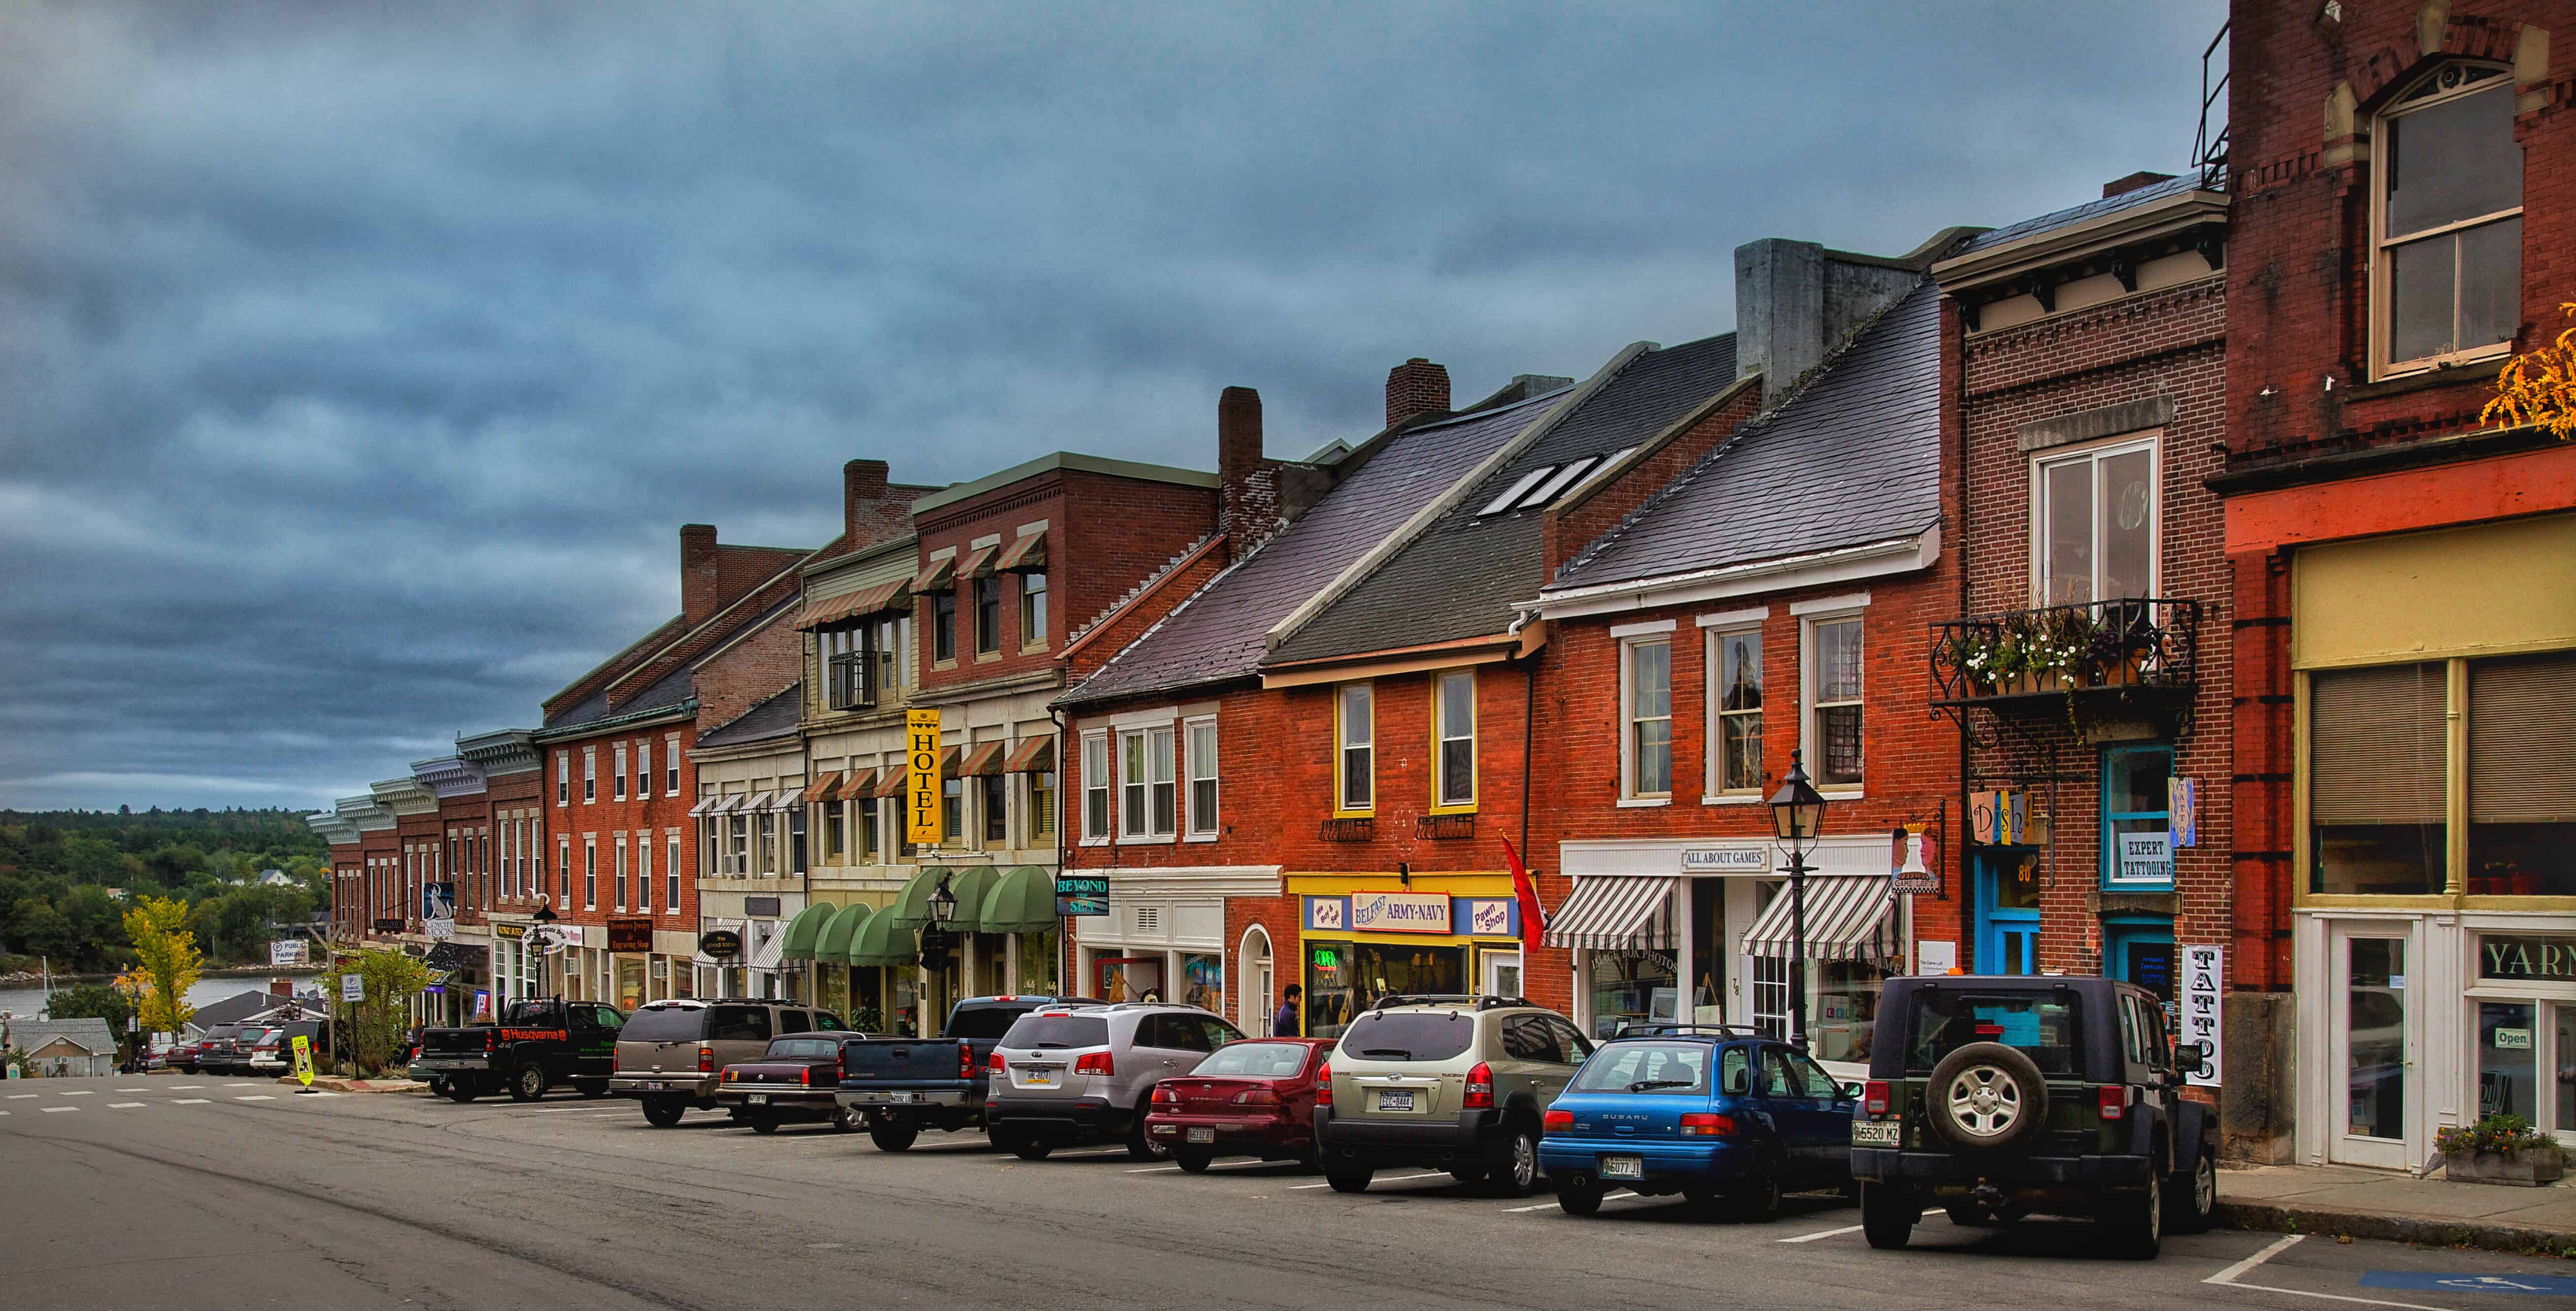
x=1971, y=649
x=2014, y=641
x=2122, y=642
x=2500, y=1149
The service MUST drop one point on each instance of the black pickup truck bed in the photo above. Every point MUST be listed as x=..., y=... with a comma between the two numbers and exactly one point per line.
x=537, y=1045
x=905, y=1085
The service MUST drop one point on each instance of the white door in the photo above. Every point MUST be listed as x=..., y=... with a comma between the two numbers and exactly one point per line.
x=2373, y=1025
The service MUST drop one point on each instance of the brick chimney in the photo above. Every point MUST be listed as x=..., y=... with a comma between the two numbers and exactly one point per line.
x=863, y=492
x=700, y=596
x=1416, y=386
x=1248, y=489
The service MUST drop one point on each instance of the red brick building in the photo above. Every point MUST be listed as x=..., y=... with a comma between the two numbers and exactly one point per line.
x=2404, y=606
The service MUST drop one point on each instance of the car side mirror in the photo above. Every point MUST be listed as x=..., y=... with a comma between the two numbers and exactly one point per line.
x=1851, y=1092
x=2191, y=1058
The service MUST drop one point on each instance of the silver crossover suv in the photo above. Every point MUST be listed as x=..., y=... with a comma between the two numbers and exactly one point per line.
x=1068, y=1073
x=1455, y=1083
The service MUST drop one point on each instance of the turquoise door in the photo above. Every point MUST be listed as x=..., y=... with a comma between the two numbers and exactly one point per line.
x=2007, y=910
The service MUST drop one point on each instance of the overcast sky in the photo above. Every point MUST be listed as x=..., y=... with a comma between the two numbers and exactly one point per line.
x=357, y=368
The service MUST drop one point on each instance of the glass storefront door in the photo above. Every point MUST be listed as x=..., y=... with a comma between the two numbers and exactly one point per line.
x=2371, y=1032
x=2007, y=911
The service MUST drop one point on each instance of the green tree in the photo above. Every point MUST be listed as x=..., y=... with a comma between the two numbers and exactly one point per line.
x=167, y=959
x=97, y=999
x=381, y=1025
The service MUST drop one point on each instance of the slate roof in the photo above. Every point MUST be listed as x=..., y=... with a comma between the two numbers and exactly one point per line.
x=671, y=689
x=233, y=1009
x=1460, y=577
x=1853, y=457
x=1218, y=632
x=2091, y=209
x=775, y=717
x=89, y=1031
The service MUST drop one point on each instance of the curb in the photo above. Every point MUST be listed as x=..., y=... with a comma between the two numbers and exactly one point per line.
x=2276, y=1218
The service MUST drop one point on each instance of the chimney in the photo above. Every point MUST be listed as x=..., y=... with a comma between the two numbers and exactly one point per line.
x=863, y=484
x=1416, y=386
x=1248, y=488
x=698, y=589
x=1797, y=302
x=2123, y=186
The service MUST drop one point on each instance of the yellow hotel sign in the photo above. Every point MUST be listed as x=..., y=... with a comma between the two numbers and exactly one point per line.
x=921, y=786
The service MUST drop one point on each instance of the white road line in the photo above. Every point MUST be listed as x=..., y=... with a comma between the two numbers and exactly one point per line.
x=84, y=1092
x=22, y=1097
x=1522, y=1210
x=2227, y=1278
x=51, y=1109
x=1851, y=1229
x=125, y=1106
x=554, y=1110
x=134, y=1090
x=186, y=1087
x=188, y=1101
x=1105, y=1151
x=256, y=1097
x=1155, y=1169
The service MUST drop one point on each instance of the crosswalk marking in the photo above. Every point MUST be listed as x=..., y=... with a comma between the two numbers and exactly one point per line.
x=51, y=1109
x=80, y=1092
x=189, y=1101
x=256, y=1097
x=123, y=1106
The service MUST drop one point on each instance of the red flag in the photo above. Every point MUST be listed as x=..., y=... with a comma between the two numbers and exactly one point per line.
x=1533, y=912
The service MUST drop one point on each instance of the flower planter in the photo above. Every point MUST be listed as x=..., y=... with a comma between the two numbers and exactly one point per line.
x=2537, y=1168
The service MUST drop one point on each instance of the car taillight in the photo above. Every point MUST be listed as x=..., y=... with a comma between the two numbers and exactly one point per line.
x=1555, y=1120
x=1480, y=1087
x=808, y=1080
x=616, y=1059
x=491, y=1040
x=1094, y=1063
x=965, y=1060
x=1873, y=1098
x=1165, y=1097
x=1707, y=1124
x=2114, y=1100
x=995, y=1064
x=730, y=1074
x=1256, y=1097
x=706, y=1059
x=1324, y=1084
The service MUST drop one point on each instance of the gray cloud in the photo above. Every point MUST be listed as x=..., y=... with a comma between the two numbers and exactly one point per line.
x=362, y=360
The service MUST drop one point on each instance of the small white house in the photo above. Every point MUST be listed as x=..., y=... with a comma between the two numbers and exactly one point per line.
x=63, y=1049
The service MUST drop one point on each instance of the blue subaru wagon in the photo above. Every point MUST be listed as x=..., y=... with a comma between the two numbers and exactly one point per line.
x=1717, y=1115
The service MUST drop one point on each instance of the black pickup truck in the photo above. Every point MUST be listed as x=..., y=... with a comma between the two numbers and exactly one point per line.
x=905, y=1085
x=536, y=1045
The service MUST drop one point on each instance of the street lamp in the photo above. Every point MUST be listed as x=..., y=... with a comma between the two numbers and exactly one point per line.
x=540, y=937
x=1797, y=816
x=943, y=904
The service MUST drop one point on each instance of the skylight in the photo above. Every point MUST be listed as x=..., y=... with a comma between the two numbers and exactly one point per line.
x=1562, y=479
x=1527, y=481
x=1607, y=462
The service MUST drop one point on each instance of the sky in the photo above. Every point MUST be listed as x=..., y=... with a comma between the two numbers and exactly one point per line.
x=359, y=363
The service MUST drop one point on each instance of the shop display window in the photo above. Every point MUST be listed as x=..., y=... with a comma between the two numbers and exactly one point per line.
x=1203, y=981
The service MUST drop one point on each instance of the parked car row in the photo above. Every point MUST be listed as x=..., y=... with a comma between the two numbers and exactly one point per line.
x=1992, y=1098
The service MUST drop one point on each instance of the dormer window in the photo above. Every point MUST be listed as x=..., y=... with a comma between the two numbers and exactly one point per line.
x=2448, y=222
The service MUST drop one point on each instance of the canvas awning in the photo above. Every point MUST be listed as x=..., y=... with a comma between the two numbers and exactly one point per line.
x=832, y=946
x=727, y=804
x=803, y=930
x=1032, y=756
x=706, y=961
x=785, y=799
x=883, y=940
x=758, y=802
x=706, y=806
x=970, y=886
x=850, y=608
x=1022, y=900
x=1847, y=919
x=823, y=788
x=766, y=956
x=939, y=577
x=892, y=782
x=980, y=564
x=1023, y=556
x=911, y=906
x=984, y=758
x=1608, y=913
x=860, y=783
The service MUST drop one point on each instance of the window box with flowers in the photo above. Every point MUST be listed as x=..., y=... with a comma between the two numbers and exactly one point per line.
x=2500, y=1149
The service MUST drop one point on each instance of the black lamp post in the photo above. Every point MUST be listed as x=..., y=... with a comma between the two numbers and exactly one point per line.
x=943, y=905
x=541, y=937
x=1797, y=816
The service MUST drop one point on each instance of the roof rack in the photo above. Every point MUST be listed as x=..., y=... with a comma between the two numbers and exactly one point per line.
x=1661, y=1027
x=1482, y=1003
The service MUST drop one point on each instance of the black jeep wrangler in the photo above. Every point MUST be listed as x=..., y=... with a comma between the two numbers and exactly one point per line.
x=2003, y=1096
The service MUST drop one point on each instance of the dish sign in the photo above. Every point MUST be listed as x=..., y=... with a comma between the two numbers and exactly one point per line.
x=1399, y=912
x=2202, y=975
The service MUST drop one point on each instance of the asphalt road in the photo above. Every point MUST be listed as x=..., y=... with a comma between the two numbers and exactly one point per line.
x=147, y=1193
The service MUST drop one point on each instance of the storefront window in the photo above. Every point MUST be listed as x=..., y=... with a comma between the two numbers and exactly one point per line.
x=630, y=982
x=2508, y=1061
x=1203, y=981
x=2377, y=762
x=1037, y=963
x=1632, y=986
x=1331, y=970
x=1127, y=978
x=2135, y=815
x=2522, y=808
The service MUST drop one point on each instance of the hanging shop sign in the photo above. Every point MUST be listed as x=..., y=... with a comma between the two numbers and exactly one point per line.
x=1399, y=912
x=720, y=944
x=2182, y=806
x=921, y=777
x=1914, y=858
x=634, y=933
x=2203, y=974
x=509, y=929
x=389, y=926
x=1999, y=818
x=438, y=930
x=438, y=901
x=1081, y=895
x=2526, y=957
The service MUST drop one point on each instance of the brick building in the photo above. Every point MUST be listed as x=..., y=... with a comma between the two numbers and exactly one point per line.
x=2404, y=605
x=513, y=791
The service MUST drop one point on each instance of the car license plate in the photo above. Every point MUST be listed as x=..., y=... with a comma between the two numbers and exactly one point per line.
x=1391, y=1099
x=1878, y=1133
x=652, y=1087
x=1623, y=1167
x=898, y=1096
x=758, y=1099
x=1037, y=1078
x=1202, y=1135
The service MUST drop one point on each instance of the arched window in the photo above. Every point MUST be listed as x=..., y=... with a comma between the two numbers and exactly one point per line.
x=2447, y=221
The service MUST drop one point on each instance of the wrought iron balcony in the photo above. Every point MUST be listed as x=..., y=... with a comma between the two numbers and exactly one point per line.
x=2134, y=648
x=1437, y=827
x=1363, y=829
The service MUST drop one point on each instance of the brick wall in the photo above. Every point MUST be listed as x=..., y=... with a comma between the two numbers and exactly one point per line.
x=610, y=815
x=1155, y=598
x=748, y=672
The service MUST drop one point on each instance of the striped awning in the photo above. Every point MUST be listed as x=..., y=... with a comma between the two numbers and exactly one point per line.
x=706, y=806
x=756, y=803
x=986, y=758
x=1847, y=919
x=1034, y=755
x=784, y=799
x=727, y=803
x=771, y=948
x=1026, y=554
x=852, y=607
x=939, y=577
x=862, y=783
x=892, y=782
x=1613, y=912
x=820, y=790
x=980, y=564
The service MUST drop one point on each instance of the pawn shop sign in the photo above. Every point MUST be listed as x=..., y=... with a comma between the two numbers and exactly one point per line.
x=304, y=1060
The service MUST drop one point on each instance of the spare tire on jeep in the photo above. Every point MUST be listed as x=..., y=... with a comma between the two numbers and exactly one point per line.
x=1987, y=1097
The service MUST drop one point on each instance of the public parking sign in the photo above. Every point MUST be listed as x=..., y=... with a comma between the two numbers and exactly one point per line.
x=353, y=988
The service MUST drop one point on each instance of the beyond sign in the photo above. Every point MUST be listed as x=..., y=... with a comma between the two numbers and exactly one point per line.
x=2527, y=958
x=1399, y=912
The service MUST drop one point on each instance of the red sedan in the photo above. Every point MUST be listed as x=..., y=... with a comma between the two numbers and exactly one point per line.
x=1250, y=1098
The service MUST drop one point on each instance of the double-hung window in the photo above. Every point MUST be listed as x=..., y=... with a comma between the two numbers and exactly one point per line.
x=617, y=860
x=1735, y=711
x=952, y=810
x=994, y=800
x=590, y=872
x=768, y=845
x=2095, y=511
x=943, y=625
x=1148, y=784
x=671, y=765
x=671, y=872
x=1033, y=609
x=1355, y=749
x=835, y=846
x=1041, y=808
x=2447, y=221
x=589, y=775
x=643, y=769
x=1201, y=757
x=563, y=871
x=1646, y=709
x=871, y=829
x=1095, y=786
x=563, y=778
x=644, y=872
x=617, y=781
x=988, y=616
x=1453, y=720
x=1834, y=701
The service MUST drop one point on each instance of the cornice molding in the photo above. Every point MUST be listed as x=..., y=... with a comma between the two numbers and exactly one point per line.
x=405, y=796
x=508, y=751
x=452, y=776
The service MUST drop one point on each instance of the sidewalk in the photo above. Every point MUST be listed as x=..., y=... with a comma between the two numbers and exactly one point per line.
x=2342, y=1200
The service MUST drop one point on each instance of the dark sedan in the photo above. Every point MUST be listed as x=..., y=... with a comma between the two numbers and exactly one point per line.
x=1250, y=1098
x=797, y=1080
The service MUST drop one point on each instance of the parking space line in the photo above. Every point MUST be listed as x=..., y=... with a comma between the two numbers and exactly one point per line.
x=21, y=1097
x=51, y=1109
x=188, y=1101
x=2227, y=1278
x=134, y=1090
x=80, y=1092
x=1519, y=1210
x=125, y=1106
x=1852, y=1229
x=186, y=1087
x=560, y=1110
x=1154, y=1169
x=256, y=1097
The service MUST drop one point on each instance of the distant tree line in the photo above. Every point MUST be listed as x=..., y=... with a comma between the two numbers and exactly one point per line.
x=68, y=877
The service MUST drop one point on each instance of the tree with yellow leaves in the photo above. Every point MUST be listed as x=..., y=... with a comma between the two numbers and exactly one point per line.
x=2537, y=388
x=166, y=962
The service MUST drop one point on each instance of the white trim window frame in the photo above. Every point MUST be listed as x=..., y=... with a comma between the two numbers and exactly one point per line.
x=1453, y=733
x=2444, y=93
x=670, y=764
x=563, y=778
x=1099, y=799
x=589, y=775
x=1202, y=760
x=1148, y=786
x=1645, y=718
x=590, y=871
x=563, y=870
x=671, y=871
x=617, y=858
x=617, y=780
x=1732, y=652
x=2111, y=493
x=644, y=871
x=1852, y=696
x=1354, y=750
x=643, y=768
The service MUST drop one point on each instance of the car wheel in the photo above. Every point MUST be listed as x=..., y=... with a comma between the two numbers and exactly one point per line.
x=1987, y=1097
x=1578, y=1196
x=1194, y=1160
x=1032, y=1148
x=847, y=1121
x=461, y=1091
x=893, y=1137
x=1140, y=1147
x=2132, y=1220
x=1887, y=1214
x=438, y=1087
x=664, y=1112
x=1514, y=1170
x=2191, y=1200
x=528, y=1084
x=1349, y=1178
x=762, y=1123
x=593, y=1088
x=1757, y=1200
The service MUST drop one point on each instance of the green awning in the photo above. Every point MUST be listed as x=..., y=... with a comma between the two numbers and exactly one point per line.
x=802, y=930
x=911, y=907
x=968, y=886
x=832, y=945
x=883, y=940
x=1022, y=901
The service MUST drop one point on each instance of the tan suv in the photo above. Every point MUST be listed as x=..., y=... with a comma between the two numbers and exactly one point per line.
x=1457, y=1083
x=670, y=1051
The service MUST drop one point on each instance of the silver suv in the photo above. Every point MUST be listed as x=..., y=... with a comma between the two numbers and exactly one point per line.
x=1069, y=1073
x=1460, y=1084
x=668, y=1052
